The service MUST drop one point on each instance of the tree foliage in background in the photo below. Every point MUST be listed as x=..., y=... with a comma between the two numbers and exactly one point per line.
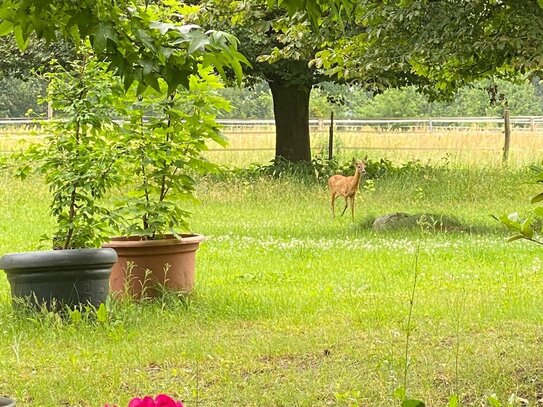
x=467, y=101
x=378, y=45
x=252, y=102
x=21, y=81
x=273, y=38
x=354, y=102
x=36, y=57
x=347, y=101
x=18, y=96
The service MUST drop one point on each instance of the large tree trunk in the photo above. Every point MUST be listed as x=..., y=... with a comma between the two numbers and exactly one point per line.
x=291, y=109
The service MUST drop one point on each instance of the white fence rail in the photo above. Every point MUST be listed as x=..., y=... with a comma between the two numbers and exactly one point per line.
x=531, y=123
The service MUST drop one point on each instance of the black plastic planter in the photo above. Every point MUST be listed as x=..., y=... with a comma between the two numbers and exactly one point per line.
x=5, y=402
x=59, y=278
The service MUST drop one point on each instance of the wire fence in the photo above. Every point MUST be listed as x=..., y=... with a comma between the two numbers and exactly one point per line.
x=253, y=138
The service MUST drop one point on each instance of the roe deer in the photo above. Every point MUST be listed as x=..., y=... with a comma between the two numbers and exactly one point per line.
x=346, y=187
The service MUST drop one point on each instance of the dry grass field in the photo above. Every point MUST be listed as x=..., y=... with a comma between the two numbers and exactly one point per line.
x=470, y=146
x=257, y=144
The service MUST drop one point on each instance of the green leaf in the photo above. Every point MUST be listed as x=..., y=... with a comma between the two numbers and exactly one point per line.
x=166, y=52
x=512, y=221
x=187, y=28
x=75, y=316
x=74, y=33
x=103, y=33
x=162, y=27
x=454, y=401
x=526, y=228
x=145, y=38
x=141, y=88
x=314, y=11
x=516, y=237
x=148, y=66
x=199, y=41
x=22, y=43
x=6, y=27
x=128, y=79
x=494, y=402
x=102, y=314
x=412, y=403
x=539, y=197
x=399, y=393
x=514, y=217
x=152, y=81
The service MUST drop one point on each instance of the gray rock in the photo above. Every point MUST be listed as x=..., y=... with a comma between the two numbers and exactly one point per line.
x=401, y=220
x=393, y=221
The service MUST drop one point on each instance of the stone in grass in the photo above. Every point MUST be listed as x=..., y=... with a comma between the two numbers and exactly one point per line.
x=425, y=221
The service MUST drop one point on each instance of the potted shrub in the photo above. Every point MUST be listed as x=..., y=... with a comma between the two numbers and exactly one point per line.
x=164, y=137
x=77, y=160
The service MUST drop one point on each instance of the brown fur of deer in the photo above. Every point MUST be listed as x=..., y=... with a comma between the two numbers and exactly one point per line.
x=346, y=187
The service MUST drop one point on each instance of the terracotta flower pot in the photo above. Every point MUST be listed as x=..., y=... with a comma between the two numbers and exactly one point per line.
x=144, y=267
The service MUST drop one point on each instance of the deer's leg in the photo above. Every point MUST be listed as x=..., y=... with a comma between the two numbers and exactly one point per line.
x=352, y=207
x=333, y=199
x=346, y=205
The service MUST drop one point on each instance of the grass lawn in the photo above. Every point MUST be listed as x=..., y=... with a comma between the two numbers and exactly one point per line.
x=293, y=308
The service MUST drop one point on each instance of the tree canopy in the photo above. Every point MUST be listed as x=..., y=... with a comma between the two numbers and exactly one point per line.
x=448, y=42
x=280, y=48
x=142, y=42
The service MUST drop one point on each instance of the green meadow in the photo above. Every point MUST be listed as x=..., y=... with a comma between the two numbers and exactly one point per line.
x=294, y=308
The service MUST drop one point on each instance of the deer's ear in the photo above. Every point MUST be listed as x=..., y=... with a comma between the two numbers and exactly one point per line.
x=365, y=158
x=354, y=160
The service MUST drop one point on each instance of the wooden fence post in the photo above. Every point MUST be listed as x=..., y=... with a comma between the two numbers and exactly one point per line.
x=49, y=110
x=331, y=137
x=507, y=133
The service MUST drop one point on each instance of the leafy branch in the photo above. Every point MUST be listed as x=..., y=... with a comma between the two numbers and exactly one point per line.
x=528, y=228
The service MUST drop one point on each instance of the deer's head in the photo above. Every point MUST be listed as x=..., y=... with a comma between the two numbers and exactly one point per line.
x=360, y=166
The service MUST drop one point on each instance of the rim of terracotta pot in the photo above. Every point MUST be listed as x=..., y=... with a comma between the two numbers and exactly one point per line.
x=57, y=258
x=138, y=241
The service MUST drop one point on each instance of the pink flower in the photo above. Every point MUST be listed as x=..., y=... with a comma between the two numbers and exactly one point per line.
x=165, y=401
x=161, y=400
x=144, y=402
